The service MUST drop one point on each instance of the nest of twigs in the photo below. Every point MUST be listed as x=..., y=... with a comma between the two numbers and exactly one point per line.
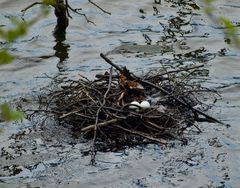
x=101, y=109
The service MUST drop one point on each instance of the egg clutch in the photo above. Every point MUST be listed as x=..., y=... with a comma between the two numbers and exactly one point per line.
x=136, y=105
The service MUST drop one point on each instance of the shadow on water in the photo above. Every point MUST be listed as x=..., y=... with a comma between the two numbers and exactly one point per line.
x=61, y=49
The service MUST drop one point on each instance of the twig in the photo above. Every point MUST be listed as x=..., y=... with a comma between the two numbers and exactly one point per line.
x=97, y=117
x=99, y=7
x=158, y=140
x=155, y=125
x=103, y=124
x=110, y=62
x=67, y=5
x=75, y=113
x=181, y=70
x=30, y=6
x=182, y=80
x=68, y=114
x=76, y=10
x=159, y=75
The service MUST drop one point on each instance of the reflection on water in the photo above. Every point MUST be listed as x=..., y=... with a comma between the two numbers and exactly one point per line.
x=61, y=49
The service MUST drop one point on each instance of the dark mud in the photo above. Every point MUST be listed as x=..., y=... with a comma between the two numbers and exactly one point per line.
x=35, y=154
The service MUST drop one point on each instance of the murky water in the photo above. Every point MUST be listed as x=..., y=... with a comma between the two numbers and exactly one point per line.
x=136, y=34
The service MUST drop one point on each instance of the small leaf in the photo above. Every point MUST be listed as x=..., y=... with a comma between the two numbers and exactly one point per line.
x=5, y=57
x=231, y=29
x=20, y=30
x=9, y=115
x=12, y=34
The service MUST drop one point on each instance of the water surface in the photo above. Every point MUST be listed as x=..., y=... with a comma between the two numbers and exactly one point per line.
x=133, y=35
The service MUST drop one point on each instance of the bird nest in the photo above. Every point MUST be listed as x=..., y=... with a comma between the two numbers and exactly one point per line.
x=119, y=109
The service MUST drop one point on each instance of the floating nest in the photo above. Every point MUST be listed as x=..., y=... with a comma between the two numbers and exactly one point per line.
x=110, y=109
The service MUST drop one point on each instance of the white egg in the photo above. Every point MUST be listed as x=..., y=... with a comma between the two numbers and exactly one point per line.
x=145, y=105
x=134, y=107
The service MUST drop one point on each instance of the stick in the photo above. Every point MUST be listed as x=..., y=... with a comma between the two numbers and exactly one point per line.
x=158, y=140
x=181, y=70
x=110, y=62
x=67, y=6
x=103, y=124
x=30, y=6
x=99, y=7
x=165, y=92
x=76, y=10
x=159, y=75
x=97, y=116
x=68, y=114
